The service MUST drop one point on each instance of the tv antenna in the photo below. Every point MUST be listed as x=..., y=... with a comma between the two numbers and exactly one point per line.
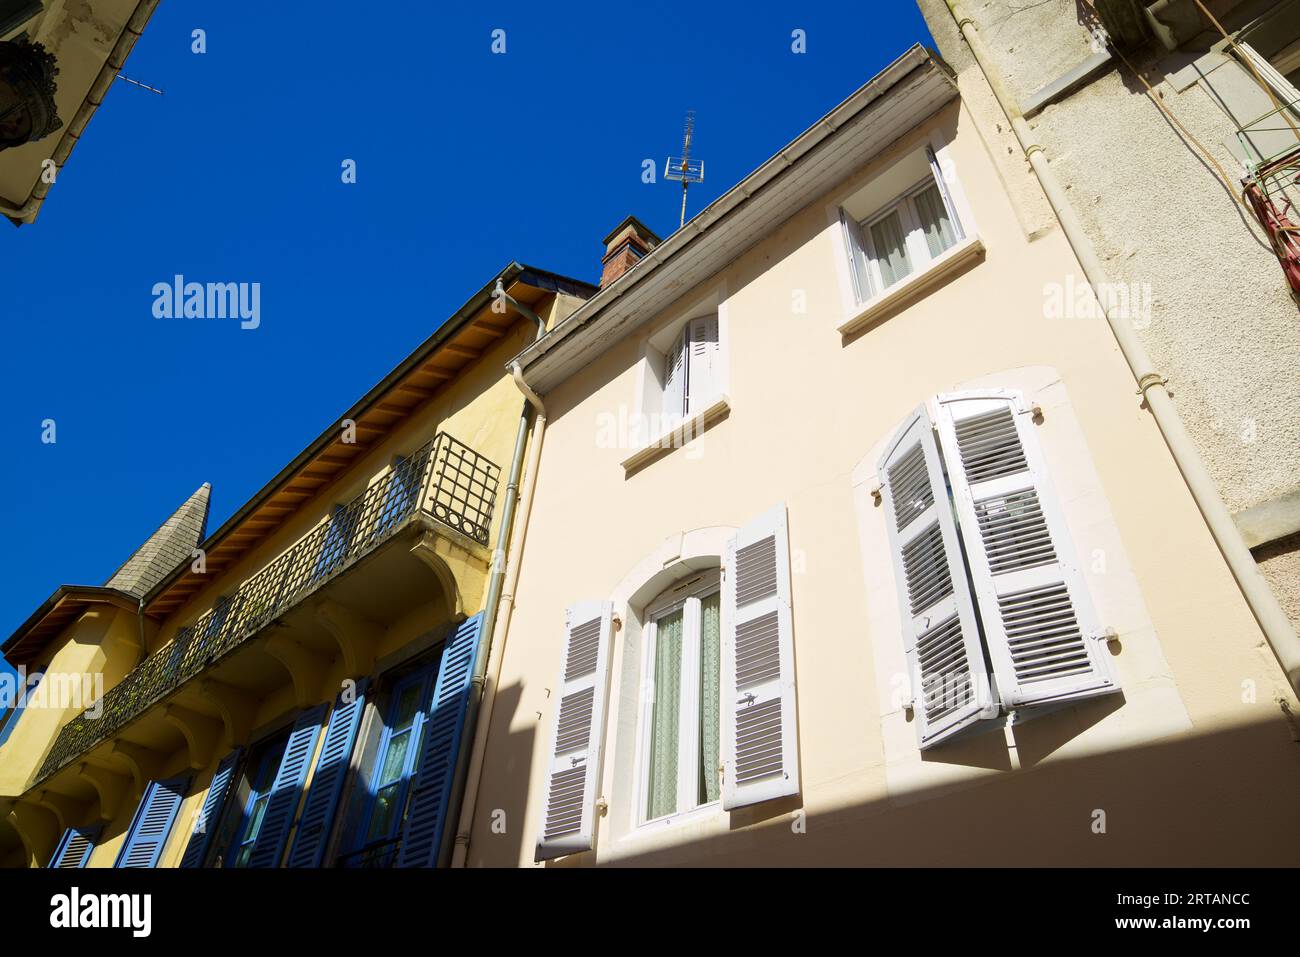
x=143, y=86
x=683, y=167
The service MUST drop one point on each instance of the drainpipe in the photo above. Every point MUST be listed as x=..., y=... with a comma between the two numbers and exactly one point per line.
x=1263, y=604
x=473, y=740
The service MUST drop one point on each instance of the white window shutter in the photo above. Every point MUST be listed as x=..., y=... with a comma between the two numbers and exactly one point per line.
x=675, y=378
x=569, y=814
x=760, y=745
x=1042, y=633
x=856, y=247
x=941, y=639
x=702, y=359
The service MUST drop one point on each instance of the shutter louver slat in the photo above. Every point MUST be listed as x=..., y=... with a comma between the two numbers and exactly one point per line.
x=568, y=811
x=1038, y=620
x=701, y=373
x=286, y=791
x=759, y=741
x=941, y=639
x=210, y=811
x=429, y=808
x=74, y=848
x=152, y=823
x=327, y=782
x=675, y=379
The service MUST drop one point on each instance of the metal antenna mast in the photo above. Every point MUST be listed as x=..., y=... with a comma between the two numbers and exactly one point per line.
x=683, y=167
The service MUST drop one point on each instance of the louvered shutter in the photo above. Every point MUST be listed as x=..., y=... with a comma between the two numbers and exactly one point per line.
x=856, y=248
x=429, y=808
x=702, y=363
x=287, y=790
x=152, y=823
x=760, y=745
x=569, y=823
x=75, y=847
x=210, y=811
x=1039, y=623
x=941, y=638
x=675, y=378
x=327, y=782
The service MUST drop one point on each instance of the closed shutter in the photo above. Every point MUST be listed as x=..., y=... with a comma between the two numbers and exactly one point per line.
x=210, y=811
x=856, y=248
x=675, y=379
x=429, y=808
x=569, y=814
x=287, y=790
x=75, y=847
x=941, y=638
x=327, y=782
x=702, y=367
x=760, y=745
x=152, y=823
x=1040, y=628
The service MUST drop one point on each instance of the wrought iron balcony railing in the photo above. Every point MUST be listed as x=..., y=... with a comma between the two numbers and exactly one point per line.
x=445, y=480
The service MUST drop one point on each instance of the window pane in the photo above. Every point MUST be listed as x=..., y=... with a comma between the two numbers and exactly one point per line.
x=662, y=774
x=891, y=249
x=395, y=758
x=710, y=697
x=937, y=226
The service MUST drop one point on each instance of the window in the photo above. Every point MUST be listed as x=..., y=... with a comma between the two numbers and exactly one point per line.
x=336, y=543
x=21, y=696
x=996, y=615
x=682, y=717
x=690, y=379
x=904, y=235
x=396, y=764
x=263, y=765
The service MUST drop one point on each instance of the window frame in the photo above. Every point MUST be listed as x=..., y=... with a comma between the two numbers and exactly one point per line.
x=687, y=596
x=919, y=257
x=267, y=753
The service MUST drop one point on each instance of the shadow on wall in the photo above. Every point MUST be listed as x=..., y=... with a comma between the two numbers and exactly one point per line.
x=1225, y=798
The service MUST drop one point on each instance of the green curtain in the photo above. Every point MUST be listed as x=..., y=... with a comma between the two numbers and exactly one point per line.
x=891, y=249
x=710, y=696
x=939, y=234
x=666, y=720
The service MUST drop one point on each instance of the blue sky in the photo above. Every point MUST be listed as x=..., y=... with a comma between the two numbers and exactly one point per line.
x=465, y=160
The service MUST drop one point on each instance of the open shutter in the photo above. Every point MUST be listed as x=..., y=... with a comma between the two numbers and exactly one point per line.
x=327, y=782
x=75, y=847
x=430, y=808
x=210, y=811
x=152, y=823
x=675, y=378
x=702, y=363
x=760, y=745
x=1039, y=624
x=856, y=248
x=287, y=790
x=569, y=823
x=941, y=638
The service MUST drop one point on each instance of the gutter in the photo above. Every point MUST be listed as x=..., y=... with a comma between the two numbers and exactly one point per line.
x=1263, y=604
x=94, y=97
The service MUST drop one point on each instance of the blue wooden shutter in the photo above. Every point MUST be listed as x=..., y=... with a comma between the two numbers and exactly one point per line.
x=327, y=783
x=152, y=823
x=287, y=789
x=210, y=812
x=431, y=795
x=75, y=847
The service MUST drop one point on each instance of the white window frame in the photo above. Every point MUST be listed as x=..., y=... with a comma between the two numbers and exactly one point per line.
x=686, y=596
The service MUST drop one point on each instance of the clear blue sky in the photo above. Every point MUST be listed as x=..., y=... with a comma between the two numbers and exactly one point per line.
x=466, y=160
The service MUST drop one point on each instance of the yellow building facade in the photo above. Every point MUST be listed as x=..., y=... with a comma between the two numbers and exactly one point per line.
x=292, y=689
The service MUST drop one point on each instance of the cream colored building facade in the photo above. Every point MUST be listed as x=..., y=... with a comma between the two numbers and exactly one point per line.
x=821, y=446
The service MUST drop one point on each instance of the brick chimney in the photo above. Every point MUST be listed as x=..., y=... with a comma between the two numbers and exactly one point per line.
x=624, y=247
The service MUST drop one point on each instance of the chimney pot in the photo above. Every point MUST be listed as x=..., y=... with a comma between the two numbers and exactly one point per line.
x=624, y=247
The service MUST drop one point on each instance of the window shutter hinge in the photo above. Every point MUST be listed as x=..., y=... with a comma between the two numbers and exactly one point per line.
x=1109, y=636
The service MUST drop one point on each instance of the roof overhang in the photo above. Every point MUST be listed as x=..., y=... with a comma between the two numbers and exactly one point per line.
x=913, y=87
x=65, y=606
x=470, y=332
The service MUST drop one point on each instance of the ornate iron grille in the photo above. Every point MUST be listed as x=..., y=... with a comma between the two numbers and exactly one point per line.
x=445, y=479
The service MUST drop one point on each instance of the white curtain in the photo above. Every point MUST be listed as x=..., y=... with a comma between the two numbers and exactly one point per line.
x=662, y=786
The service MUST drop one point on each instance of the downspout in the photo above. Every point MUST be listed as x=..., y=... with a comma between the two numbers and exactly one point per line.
x=473, y=737
x=1263, y=604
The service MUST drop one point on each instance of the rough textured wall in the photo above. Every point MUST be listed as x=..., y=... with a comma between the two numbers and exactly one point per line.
x=1222, y=326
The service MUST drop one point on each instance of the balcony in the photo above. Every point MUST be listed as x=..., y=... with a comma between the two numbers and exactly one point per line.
x=445, y=483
